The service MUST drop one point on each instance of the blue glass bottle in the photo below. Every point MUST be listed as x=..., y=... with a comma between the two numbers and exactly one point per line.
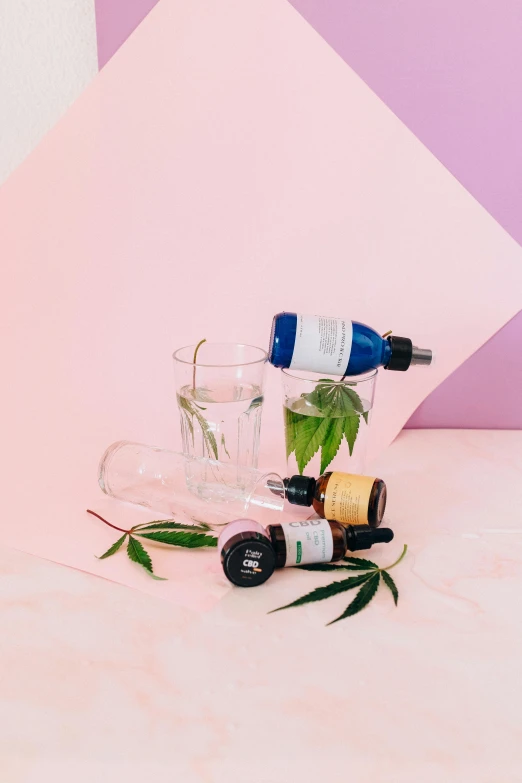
x=335, y=346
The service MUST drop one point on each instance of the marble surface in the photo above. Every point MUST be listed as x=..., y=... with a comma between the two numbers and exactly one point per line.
x=100, y=682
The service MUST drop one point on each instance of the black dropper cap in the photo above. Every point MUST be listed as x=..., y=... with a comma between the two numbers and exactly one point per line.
x=300, y=490
x=404, y=353
x=364, y=536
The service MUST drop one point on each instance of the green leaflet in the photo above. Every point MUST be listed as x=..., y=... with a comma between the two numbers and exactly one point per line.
x=203, y=525
x=351, y=428
x=114, y=548
x=291, y=424
x=321, y=593
x=138, y=554
x=310, y=436
x=180, y=538
x=169, y=524
x=224, y=445
x=190, y=410
x=332, y=441
x=354, y=399
x=360, y=562
x=331, y=567
x=187, y=418
x=322, y=567
x=368, y=583
x=341, y=409
x=362, y=599
x=388, y=581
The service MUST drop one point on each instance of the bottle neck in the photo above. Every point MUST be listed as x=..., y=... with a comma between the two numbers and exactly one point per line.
x=386, y=353
x=300, y=490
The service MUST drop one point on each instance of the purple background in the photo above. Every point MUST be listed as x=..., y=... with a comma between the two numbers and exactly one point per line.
x=452, y=72
x=115, y=21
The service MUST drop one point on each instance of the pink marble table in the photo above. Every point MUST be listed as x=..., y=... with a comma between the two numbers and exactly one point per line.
x=103, y=683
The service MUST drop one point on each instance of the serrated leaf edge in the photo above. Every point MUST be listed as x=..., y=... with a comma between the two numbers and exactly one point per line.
x=362, y=599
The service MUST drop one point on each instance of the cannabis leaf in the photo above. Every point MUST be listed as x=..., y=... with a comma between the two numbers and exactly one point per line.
x=368, y=583
x=179, y=538
x=321, y=593
x=388, y=581
x=114, y=548
x=224, y=445
x=351, y=428
x=162, y=531
x=362, y=599
x=332, y=442
x=191, y=411
x=321, y=419
x=168, y=525
x=138, y=554
x=312, y=433
x=360, y=562
x=291, y=421
x=328, y=567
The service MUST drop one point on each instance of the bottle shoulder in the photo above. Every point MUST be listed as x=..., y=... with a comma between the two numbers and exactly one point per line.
x=282, y=339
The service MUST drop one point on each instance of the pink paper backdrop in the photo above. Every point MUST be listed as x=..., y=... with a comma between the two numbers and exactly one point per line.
x=453, y=73
x=207, y=178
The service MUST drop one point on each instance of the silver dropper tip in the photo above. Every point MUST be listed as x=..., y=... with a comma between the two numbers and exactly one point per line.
x=421, y=356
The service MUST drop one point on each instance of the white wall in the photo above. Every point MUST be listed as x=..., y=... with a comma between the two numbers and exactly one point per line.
x=47, y=56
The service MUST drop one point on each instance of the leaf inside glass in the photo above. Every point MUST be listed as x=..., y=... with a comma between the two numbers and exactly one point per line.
x=321, y=420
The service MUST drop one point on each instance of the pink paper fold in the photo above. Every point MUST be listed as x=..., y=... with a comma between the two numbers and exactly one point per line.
x=224, y=166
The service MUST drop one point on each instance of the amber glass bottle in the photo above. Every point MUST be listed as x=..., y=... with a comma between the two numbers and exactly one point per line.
x=321, y=541
x=340, y=497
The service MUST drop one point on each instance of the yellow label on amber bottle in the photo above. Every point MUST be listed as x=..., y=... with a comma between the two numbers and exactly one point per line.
x=346, y=498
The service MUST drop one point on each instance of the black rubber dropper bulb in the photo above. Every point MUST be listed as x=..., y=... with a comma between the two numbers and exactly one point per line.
x=364, y=536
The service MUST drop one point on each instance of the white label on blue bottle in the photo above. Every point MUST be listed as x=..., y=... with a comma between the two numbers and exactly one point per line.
x=308, y=541
x=322, y=345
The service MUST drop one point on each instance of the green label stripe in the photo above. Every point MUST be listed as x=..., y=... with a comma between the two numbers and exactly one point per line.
x=299, y=552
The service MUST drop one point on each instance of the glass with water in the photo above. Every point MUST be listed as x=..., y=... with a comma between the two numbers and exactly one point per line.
x=219, y=388
x=327, y=421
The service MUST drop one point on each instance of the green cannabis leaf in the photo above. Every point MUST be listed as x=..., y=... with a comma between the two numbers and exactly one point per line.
x=138, y=554
x=224, y=445
x=168, y=525
x=360, y=562
x=198, y=346
x=179, y=538
x=191, y=416
x=328, y=567
x=388, y=581
x=162, y=531
x=114, y=548
x=191, y=411
x=367, y=582
x=362, y=599
x=321, y=419
x=320, y=593
x=332, y=441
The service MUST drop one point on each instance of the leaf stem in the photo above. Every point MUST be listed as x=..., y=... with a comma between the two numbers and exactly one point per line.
x=108, y=523
x=198, y=346
x=388, y=568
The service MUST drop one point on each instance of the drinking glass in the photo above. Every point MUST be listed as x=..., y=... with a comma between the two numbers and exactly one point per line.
x=326, y=421
x=220, y=398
